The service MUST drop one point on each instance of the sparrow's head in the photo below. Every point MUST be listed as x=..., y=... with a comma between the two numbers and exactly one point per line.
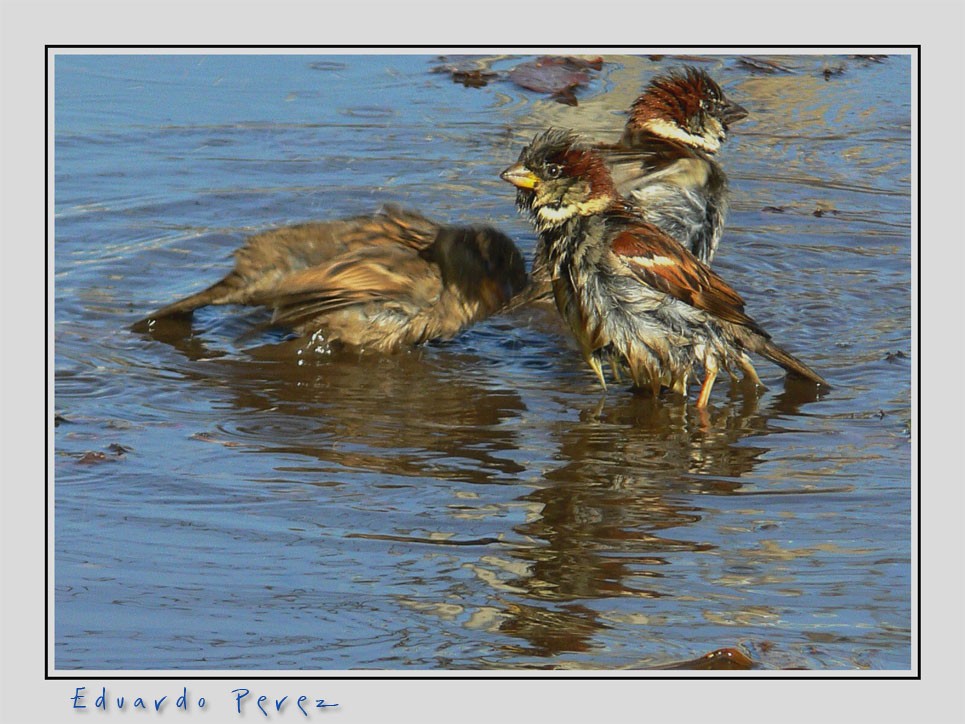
x=483, y=264
x=558, y=177
x=685, y=105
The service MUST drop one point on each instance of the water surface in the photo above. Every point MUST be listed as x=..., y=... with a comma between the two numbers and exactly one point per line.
x=229, y=503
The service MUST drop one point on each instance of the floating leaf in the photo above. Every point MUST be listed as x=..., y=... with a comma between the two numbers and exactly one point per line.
x=830, y=71
x=721, y=659
x=560, y=76
x=473, y=78
x=684, y=58
x=327, y=65
x=819, y=212
x=92, y=457
x=566, y=96
x=761, y=65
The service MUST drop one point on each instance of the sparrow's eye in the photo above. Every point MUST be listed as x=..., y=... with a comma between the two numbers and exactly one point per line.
x=553, y=170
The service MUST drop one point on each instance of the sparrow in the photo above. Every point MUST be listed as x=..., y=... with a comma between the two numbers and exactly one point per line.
x=664, y=167
x=379, y=282
x=632, y=296
x=664, y=163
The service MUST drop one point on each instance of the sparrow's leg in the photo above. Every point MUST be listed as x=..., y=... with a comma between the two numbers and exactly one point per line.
x=749, y=372
x=710, y=374
x=597, y=368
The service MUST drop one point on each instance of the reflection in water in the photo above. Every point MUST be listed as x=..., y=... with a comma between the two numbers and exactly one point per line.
x=623, y=496
x=402, y=414
x=548, y=633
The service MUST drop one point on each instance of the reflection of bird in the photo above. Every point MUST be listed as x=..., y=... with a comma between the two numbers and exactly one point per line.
x=378, y=282
x=632, y=295
x=663, y=164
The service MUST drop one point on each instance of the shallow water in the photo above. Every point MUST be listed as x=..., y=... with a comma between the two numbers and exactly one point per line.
x=229, y=503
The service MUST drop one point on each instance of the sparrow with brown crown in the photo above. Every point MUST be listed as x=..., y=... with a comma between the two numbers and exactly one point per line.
x=380, y=283
x=632, y=296
x=664, y=164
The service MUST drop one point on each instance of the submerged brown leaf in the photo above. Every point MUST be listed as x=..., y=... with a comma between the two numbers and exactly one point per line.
x=832, y=70
x=719, y=660
x=684, y=58
x=471, y=72
x=560, y=76
x=92, y=457
x=473, y=78
x=762, y=65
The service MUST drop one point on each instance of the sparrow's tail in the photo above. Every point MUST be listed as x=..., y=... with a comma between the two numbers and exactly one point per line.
x=534, y=291
x=539, y=288
x=223, y=292
x=789, y=362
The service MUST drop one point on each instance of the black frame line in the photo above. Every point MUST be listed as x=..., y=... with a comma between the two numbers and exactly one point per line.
x=523, y=675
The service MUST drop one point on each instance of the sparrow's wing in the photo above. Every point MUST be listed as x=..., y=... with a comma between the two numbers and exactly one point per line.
x=658, y=261
x=685, y=185
x=402, y=226
x=655, y=259
x=649, y=161
x=275, y=252
x=391, y=275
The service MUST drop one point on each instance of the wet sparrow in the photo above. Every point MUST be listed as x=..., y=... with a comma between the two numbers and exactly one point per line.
x=379, y=282
x=664, y=165
x=632, y=296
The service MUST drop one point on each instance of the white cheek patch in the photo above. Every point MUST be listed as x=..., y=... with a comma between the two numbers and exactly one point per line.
x=673, y=132
x=553, y=217
x=578, y=200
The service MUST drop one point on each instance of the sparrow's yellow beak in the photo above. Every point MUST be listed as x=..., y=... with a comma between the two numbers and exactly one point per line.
x=520, y=177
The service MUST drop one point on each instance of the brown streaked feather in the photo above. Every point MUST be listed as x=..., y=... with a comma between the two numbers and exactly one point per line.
x=308, y=311
x=658, y=261
x=675, y=96
x=629, y=165
x=589, y=165
x=388, y=271
x=272, y=257
x=288, y=249
x=368, y=275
